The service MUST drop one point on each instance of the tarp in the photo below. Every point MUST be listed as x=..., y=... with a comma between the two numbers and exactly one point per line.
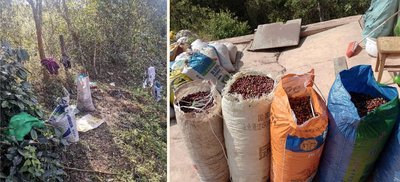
x=378, y=12
x=353, y=144
x=21, y=124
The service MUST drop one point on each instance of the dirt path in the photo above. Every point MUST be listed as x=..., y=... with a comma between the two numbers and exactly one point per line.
x=131, y=143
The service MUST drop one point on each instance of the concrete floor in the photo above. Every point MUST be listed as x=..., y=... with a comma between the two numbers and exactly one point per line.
x=314, y=52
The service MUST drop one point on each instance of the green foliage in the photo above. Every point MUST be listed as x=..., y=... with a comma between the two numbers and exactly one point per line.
x=204, y=21
x=186, y=14
x=32, y=165
x=115, y=41
x=15, y=91
x=35, y=158
x=397, y=29
x=121, y=34
x=145, y=141
x=222, y=25
x=102, y=35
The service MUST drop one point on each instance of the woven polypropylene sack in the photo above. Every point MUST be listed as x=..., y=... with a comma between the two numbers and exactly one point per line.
x=354, y=143
x=202, y=133
x=246, y=131
x=296, y=149
x=388, y=165
x=84, y=97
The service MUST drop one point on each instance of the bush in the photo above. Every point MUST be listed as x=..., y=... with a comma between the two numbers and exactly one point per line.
x=224, y=25
x=207, y=23
x=186, y=14
x=35, y=158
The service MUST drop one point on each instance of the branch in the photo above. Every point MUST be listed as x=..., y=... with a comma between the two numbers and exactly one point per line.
x=31, y=2
x=85, y=170
x=39, y=4
x=33, y=6
x=4, y=143
x=65, y=7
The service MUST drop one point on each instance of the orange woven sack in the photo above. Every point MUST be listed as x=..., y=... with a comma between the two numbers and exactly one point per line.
x=296, y=149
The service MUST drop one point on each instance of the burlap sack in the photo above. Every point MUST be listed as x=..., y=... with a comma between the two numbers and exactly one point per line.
x=247, y=134
x=202, y=133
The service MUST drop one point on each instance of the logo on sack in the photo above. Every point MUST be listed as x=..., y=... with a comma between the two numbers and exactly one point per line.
x=298, y=144
x=309, y=144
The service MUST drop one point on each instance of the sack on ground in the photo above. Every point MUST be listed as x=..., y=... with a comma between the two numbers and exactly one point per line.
x=232, y=51
x=297, y=141
x=84, y=94
x=202, y=133
x=223, y=55
x=210, y=52
x=246, y=131
x=354, y=143
x=196, y=66
x=198, y=44
x=388, y=164
x=157, y=91
x=64, y=120
x=151, y=75
x=204, y=68
x=176, y=49
x=180, y=61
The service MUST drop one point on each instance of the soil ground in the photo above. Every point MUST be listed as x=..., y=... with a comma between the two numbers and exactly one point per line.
x=130, y=143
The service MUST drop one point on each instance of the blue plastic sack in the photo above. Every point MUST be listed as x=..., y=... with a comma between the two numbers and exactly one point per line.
x=353, y=144
x=388, y=166
x=377, y=13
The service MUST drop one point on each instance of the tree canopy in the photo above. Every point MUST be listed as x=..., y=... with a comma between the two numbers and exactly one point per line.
x=202, y=16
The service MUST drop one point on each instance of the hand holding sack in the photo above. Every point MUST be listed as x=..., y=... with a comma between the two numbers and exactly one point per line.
x=297, y=139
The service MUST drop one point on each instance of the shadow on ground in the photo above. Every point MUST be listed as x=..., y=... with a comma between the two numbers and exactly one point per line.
x=131, y=143
x=96, y=151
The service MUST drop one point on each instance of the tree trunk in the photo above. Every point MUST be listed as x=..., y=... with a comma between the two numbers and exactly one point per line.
x=94, y=57
x=69, y=79
x=62, y=45
x=37, y=16
x=75, y=36
x=320, y=13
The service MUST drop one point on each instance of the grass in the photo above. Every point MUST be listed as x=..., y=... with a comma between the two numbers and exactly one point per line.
x=145, y=140
x=139, y=137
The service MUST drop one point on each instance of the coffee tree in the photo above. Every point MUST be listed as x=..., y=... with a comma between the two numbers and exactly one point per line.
x=34, y=158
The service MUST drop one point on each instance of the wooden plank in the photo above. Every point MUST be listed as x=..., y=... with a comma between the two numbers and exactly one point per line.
x=306, y=30
x=340, y=64
x=389, y=45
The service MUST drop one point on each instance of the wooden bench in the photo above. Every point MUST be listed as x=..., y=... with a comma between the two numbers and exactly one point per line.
x=387, y=46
